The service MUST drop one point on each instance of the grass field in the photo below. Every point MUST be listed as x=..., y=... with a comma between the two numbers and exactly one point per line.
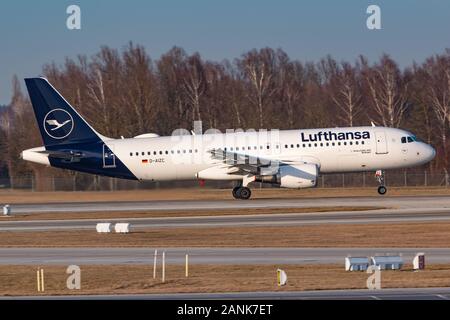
x=345, y=235
x=14, y=196
x=137, y=279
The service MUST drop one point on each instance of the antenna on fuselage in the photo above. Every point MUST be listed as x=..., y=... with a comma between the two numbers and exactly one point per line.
x=373, y=124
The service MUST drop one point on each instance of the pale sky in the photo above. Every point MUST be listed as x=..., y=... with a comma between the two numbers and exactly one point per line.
x=33, y=33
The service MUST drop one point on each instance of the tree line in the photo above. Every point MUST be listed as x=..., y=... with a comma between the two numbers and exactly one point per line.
x=124, y=92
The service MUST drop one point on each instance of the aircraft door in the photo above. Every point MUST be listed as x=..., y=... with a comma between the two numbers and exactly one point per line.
x=381, y=142
x=109, y=159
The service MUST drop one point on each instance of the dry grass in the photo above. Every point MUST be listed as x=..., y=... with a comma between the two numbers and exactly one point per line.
x=11, y=197
x=348, y=235
x=176, y=213
x=137, y=279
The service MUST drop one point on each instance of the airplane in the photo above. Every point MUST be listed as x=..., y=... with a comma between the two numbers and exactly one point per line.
x=284, y=158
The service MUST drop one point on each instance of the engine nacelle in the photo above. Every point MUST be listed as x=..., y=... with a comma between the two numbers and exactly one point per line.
x=298, y=176
x=294, y=176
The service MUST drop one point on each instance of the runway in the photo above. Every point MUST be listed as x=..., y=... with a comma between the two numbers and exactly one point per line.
x=399, y=209
x=222, y=256
x=383, y=294
x=278, y=219
x=424, y=202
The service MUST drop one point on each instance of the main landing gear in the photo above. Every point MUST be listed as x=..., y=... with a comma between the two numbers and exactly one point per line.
x=379, y=175
x=240, y=192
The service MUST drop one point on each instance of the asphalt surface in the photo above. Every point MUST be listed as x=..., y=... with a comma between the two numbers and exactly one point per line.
x=279, y=219
x=383, y=294
x=397, y=209
x=424, y=202
x=222, y=256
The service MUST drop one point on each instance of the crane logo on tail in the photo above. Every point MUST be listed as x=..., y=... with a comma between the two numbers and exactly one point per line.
x=58, y=123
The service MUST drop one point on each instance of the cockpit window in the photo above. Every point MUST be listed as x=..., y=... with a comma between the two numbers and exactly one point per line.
x=409, y=139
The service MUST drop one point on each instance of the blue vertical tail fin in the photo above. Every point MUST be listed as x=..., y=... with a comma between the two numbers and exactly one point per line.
x=58, y=121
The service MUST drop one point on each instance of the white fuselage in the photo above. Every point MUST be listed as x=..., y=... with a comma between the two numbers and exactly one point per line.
x=188, y=157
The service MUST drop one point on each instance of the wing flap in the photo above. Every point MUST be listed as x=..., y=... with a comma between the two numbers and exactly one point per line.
x=247, y=164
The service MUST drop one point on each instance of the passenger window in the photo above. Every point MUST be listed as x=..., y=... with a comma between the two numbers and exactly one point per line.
x=332, y=144
x=298, y=146
x=149, y=153
x=137, y=153
x=167, y=152
x=351, y=143
x=160, y=152
x=292, y=146
x=154, y=153
x=362, y=142
x=131, y=154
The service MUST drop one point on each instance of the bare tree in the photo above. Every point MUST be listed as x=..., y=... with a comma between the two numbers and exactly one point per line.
x=387, y=90
x=290, y=85
x=344, y=87
x=194, y=83
x=235, y=93
x=104, y=89
x=170, y=67
x=258, y=68
x=141, y=90
x=437, y=94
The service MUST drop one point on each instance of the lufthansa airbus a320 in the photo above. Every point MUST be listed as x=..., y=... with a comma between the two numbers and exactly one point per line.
x=287, y=158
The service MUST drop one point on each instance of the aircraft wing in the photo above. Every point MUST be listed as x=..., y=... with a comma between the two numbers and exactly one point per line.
x=247, y=164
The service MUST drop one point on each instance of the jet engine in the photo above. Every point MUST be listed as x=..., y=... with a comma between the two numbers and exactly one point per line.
x=293, y=176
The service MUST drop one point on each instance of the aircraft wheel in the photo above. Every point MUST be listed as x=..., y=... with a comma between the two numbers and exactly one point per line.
x=236, y=192
x=244, y=193
x=382, y=190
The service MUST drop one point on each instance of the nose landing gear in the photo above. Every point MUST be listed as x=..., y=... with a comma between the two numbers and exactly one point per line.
x=379, y=175
x=382, y=190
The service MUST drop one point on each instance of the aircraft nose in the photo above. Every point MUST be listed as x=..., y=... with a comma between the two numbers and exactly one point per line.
x=430, y=152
